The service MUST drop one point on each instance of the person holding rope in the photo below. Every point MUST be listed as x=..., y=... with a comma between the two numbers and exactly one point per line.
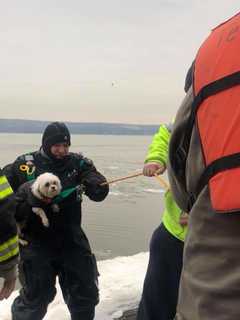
x=62, y=249
x=160, y=290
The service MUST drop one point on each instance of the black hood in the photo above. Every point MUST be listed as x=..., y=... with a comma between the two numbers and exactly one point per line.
x=55, y=132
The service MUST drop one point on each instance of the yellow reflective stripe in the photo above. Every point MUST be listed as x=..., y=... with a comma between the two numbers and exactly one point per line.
x=5, y=193
x=9, y=255
x=5, y=188
x=3, y=179
x=8, y=243
x=9, y=249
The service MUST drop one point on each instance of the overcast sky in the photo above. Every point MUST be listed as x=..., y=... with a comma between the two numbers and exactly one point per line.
x=100, y=60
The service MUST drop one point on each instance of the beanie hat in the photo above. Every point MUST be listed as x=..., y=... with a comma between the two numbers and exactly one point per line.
x=55, y=132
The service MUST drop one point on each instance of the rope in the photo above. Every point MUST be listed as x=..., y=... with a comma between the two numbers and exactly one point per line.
x=156, y=175
x=163, y=183
x=122, y=178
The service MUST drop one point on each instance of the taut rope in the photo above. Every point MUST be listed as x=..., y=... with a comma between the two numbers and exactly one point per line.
x=159, y=179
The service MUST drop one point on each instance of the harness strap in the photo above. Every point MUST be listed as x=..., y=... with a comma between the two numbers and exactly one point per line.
x=65, y=193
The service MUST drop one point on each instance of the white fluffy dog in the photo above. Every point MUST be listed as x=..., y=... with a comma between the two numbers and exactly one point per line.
x=45, y=188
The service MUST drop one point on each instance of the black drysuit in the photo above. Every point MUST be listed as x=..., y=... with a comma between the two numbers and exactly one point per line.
x=62, y=249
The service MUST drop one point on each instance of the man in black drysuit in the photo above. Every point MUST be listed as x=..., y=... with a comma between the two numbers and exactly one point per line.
x=62, y=249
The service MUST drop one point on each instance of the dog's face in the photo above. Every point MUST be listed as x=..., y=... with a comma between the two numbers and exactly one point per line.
x=46, y=185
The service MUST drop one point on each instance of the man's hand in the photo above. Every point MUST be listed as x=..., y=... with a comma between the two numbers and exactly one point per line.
x=183, y=220
x=151, y=168
x=7, y=289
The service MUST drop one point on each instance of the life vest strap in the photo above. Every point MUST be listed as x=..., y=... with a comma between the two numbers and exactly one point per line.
x=219, y=165
x=206, y=92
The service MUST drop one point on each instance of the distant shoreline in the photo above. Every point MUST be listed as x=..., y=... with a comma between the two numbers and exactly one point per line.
x=91, y=128
x=84, y=133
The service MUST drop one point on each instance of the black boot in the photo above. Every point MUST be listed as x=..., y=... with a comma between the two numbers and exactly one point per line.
x=87, y=314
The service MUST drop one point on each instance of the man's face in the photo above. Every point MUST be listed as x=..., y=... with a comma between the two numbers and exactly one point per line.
x=60, y=150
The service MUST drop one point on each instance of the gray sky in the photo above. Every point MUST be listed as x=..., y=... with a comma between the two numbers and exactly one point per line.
x=100, y=60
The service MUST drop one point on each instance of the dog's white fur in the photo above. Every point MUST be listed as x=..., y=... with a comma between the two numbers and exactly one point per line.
x=46, y=186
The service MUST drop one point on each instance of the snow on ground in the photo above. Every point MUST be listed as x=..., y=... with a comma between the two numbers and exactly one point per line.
x=120, y=285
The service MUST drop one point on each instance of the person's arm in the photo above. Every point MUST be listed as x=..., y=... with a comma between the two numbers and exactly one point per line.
x=9, y=249
x=157, y=155
x=12, y=173
x=92, y=180
x=23, y=205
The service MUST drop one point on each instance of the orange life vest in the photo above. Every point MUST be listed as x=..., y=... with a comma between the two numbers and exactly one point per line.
x=216, y=109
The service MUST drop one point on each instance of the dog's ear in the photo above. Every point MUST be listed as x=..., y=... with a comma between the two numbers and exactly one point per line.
x=59, y=184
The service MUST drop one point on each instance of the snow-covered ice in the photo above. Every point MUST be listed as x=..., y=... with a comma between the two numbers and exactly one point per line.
x=120, y=286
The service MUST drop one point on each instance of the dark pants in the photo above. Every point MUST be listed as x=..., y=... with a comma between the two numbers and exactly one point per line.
x=160, y=291
x=77, y=277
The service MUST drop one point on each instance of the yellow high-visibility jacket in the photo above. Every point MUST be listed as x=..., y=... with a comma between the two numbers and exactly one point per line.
x=8, y=231
x=158, y=152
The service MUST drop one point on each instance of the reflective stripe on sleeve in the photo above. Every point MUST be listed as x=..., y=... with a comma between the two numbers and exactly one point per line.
x=5, y=188
x=9, y=249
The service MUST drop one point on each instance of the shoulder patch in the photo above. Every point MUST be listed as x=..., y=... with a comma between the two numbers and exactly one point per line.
x=26, y=157
x=29, y=157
